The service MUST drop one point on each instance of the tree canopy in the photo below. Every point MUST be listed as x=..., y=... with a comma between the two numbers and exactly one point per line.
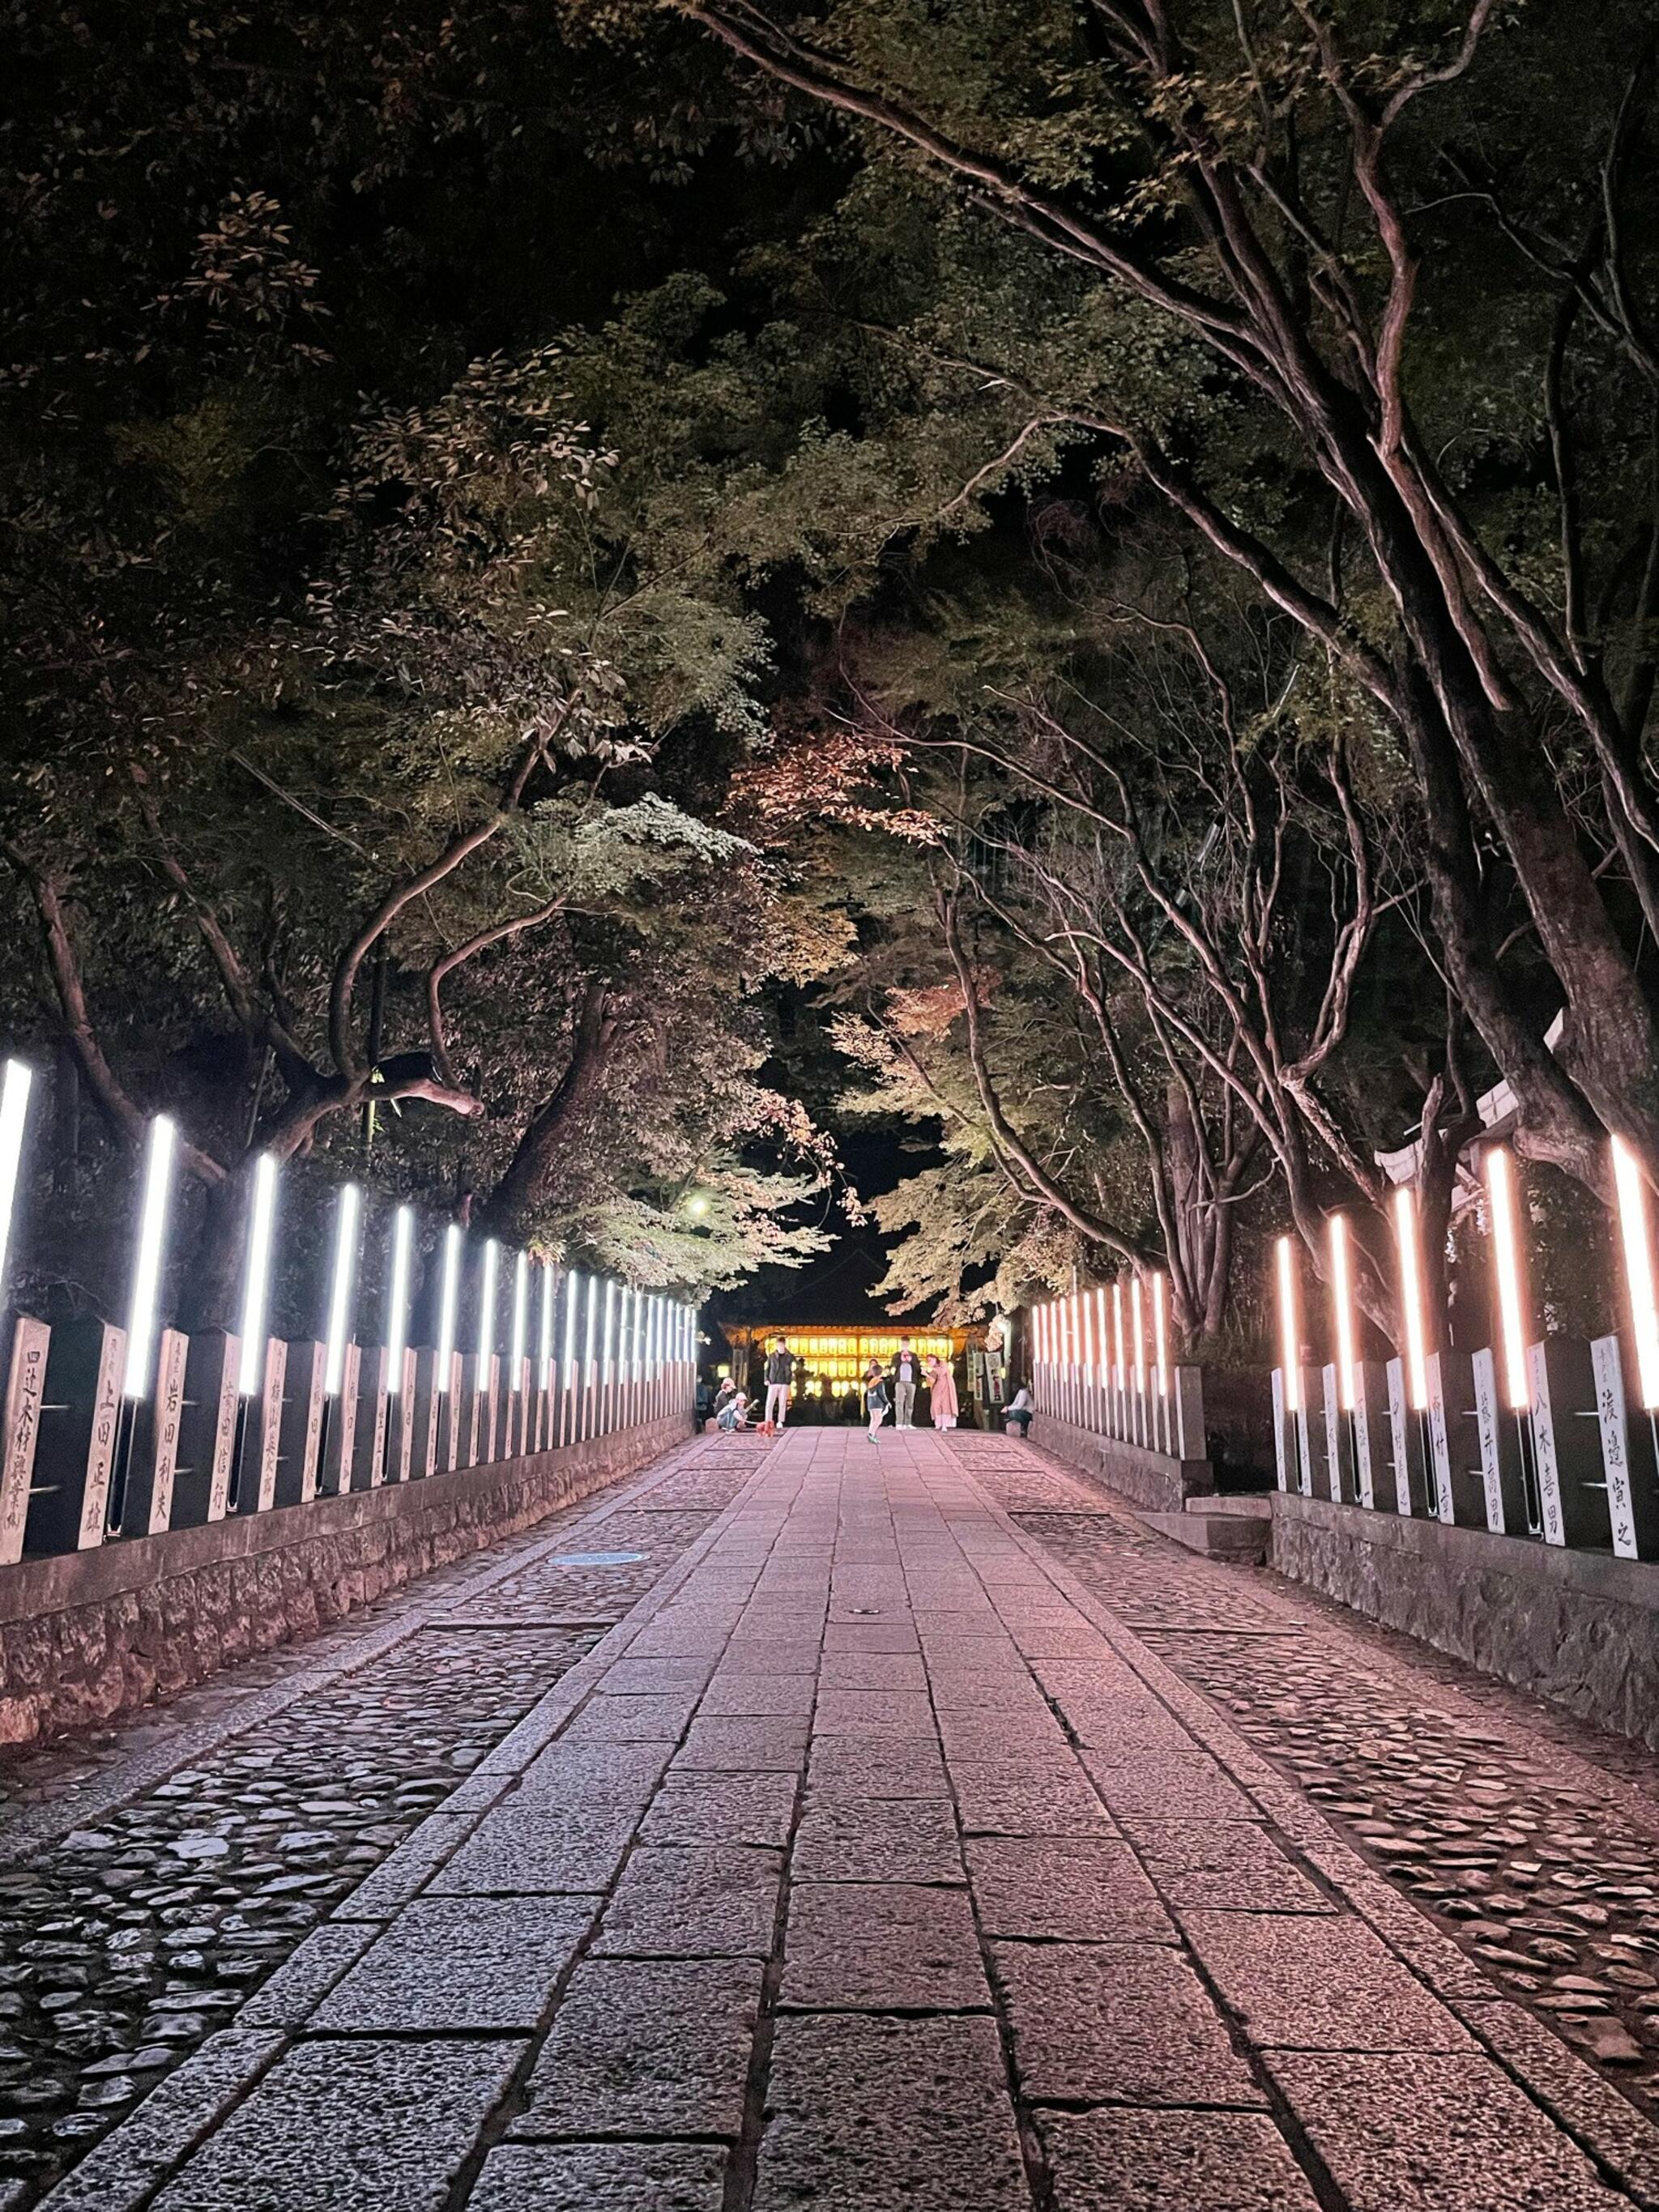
x=1109, y=552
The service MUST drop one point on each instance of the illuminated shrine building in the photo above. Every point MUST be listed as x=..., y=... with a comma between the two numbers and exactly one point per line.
x=838, y=1356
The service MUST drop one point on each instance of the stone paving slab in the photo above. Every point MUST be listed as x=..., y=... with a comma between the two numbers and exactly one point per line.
x=888, y=1946
x=869, y=2111
x=873, y=1864
x=879, y=1839
x=1069, y=1889
x=657, y=2047
x=1171, y=2161
x=645, y=2176
x=693, y=1901
x=459, y=1965
x=1117, y=2023
x=354, y=2126
x=1442, y=2134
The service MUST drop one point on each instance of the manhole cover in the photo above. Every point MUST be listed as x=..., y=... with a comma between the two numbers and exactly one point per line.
x=599, y=1559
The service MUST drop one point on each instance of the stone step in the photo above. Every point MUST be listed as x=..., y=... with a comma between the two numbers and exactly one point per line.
x=1228, y=1528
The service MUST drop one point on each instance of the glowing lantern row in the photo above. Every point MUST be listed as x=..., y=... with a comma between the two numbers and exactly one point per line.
x=655, y=1328
x=1071, y=1333
x=1509, y=1279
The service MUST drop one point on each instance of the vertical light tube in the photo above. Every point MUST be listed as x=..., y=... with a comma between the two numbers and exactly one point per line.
x=342, y=1284
x=1637, y=1241
x=521, y=1315
x=147, y=1260
x=492, y=1253
x=449, y=1299
x=607, y=1355
x=1160, y=1336
x=1117, y=1335
x=1413, y=1304
x=545, y=1346
x=14, y=1119
x=573, y=1291
x=256, y=1277
x=1342, y=1308
x=1089, y=1368
x=1289, y=1326
x=589, y=1367
x=396, y=1317
x=1138, y=1324
x=1508, y=1261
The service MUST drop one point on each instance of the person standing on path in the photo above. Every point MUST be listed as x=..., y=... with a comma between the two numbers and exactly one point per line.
x=875, y=1396
x=907, y=1370
x=942, y=1393
x=780, y=1371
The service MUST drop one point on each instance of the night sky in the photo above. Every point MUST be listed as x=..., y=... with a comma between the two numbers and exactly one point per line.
x=840, y=1284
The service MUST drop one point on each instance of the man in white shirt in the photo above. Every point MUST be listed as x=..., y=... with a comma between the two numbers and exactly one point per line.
x=905, y=1378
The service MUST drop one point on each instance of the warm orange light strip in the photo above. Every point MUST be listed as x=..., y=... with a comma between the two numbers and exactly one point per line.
x=1410, y=1299
x=1508, y=1261
x=1290, y=1331
x=1636, y=1237
x=1342, y=1300
x=1160, y=1337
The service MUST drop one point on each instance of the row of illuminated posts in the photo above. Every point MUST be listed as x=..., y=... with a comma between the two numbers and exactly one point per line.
x=624, y=1356
x=1546, y=1422
x=1098, y=1376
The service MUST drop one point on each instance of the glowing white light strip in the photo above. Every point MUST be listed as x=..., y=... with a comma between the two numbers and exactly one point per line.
x=1117, y=1335
x=1290, y=1328
x=146, y=1261
x=1342, y=1307
x=1634, y=1235
x=14, y=1118
x=593, y=1308
x=449, y=1298
x=573, y=1291
x=340, y=1289
x=396, y=1315
x=546, y=1345
x=520, y=1315
x=1507, y=1258
x=256, y=1277
x=609, y=1352
x=1411, y=1298
x=1160, y=1336
x=1138, y=1331
x=1089, y=1339
x=492, y=1253
x=1100, y=1330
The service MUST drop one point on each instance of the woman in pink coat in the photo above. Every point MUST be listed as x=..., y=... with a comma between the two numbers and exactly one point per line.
x=941, y=1392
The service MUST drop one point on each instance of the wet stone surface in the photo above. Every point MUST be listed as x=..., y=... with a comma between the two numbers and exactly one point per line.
x=126, y=1944
x=1532, y=1841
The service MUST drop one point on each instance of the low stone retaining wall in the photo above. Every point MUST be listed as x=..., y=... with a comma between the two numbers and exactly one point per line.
x=1580, y=1628
x=87, y=1635
x=1153, y=1479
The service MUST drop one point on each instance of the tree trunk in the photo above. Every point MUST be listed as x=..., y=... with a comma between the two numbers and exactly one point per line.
x=530, y=1167
x=212, y=1288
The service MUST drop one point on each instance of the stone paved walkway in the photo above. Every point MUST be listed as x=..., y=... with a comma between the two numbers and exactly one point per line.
x=873, y=1861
